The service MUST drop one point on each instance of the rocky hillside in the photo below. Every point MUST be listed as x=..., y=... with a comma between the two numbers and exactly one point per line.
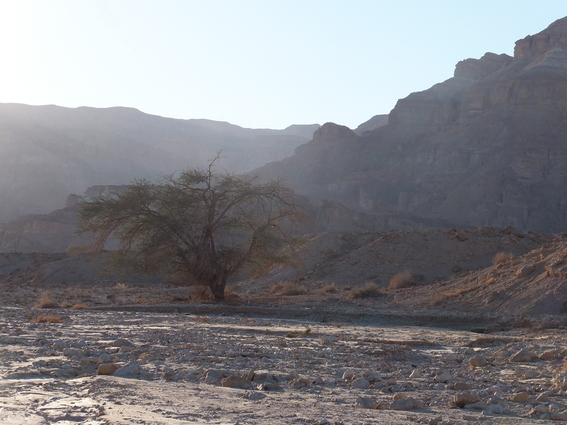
x=47, y=152
x=484, y=148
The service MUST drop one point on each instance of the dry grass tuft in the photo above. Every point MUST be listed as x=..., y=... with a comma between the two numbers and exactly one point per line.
x=201, y=294
x=369, y=290
x=501, y=258
x=329, y=289
x=47, y=319
x=289, y=288
x=78, y=307
x=45, y=301
x=404, y=279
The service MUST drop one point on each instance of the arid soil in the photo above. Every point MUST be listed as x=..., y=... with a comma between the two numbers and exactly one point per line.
x=473, y=340
x=179, y=368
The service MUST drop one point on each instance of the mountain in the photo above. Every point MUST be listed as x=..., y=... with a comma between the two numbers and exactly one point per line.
x=47, y=152
x=488, y=147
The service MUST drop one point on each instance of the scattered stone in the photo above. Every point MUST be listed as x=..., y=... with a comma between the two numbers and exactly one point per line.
x=462, y=386
x=361, y=383
x=525, y=271
x=559, y=416
x=478, y=405
x=107, y=369
x=349, y=375
x=550, y=355
x=544, y=397
x=129, y=370
x=234, y=381
x=416, y=374
x=478, y=361
x=443, y=377
x=522, y=356
x=520, y=397
x=464, y=398
x=121, y=342
x=254, y=395
x=408, y=403
x=496, y=409
x=366, y=403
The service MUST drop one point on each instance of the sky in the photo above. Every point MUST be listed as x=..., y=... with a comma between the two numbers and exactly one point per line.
x=254, y=63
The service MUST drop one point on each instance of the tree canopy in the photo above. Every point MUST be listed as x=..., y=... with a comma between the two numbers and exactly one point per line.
x=207, y=226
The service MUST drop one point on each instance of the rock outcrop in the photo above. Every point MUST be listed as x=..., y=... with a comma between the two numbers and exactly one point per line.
x=484, y=148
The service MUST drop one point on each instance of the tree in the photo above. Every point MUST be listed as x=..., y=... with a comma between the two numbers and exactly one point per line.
x=207, y=226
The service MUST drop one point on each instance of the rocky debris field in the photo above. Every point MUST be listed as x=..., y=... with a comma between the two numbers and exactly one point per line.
x=126, y=367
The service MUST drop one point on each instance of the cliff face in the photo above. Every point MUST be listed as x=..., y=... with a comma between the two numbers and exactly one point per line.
x=47, y=152
x=487, y=147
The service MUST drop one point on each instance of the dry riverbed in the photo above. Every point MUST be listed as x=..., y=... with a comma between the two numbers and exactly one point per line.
x=128, y=367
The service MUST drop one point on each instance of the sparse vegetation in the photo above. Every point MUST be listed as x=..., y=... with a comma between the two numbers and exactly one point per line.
x=291, y=288
x=208, y=226
x=501, y=258
x=404, y=279
x=200, y=294
x=47, y=319
x=369, y=290
x=78, y=307
x=45, y=301
x=329, y=289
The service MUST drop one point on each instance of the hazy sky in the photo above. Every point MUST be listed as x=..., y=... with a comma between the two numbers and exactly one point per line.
x=255, y=63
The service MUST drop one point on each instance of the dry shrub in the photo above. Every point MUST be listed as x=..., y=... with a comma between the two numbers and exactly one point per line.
x=45, y=301
x=369, y=290
x=501, y=258
x=329, y=289
x=78, y=307
x=47, y=319
x=201, y=294
x=289, y=288
x=404, y=279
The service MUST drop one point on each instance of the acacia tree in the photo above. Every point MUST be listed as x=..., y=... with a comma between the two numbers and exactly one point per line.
x=207, y=226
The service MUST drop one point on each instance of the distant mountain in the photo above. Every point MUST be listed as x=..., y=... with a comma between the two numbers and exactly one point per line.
x=487, y=147
x=47, y=152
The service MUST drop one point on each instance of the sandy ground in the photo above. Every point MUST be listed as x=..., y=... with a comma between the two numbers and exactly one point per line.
x=240, y=368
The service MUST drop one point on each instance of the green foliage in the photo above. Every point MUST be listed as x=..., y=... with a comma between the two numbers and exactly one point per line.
x=206, y=226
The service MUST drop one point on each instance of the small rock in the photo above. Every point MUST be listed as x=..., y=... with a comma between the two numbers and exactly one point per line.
x=462, y=399
x=121, y=342
x=559, y=416
x=416, y=374
x=443, y=377
x=269, y=386
x=107, y=369
x=349, y=375
x=254, y=395
x=234, y=381
x=523, y=355
x=406, y=404
x=462, y=386
x=479, y=405
x=543, y=397
x=496, y=409
x=366, y=403
x=478, y=361
x=550, y=355
x=361, y=383
x=520, y=397
x=525, y=271
x=129, y=370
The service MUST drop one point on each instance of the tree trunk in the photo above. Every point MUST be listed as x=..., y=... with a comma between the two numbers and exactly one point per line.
x=218, y=287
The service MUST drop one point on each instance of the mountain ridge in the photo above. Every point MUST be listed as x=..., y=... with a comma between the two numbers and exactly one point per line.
x=486, y=147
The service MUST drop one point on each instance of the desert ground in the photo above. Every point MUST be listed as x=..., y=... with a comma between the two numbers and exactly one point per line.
x=472, y=340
